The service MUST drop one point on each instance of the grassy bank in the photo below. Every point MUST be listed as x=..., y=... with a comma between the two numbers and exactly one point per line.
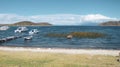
x=39, y=59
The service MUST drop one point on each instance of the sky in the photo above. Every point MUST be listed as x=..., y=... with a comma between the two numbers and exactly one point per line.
x=59, y=12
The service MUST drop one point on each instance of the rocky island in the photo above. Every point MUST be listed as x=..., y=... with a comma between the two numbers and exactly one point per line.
x=110, y=23
x=28, y=23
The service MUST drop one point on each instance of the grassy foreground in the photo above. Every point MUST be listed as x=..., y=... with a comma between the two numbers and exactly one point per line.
x=39, y=59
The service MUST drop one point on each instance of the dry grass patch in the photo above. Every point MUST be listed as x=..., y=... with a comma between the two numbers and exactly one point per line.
x=39, y=59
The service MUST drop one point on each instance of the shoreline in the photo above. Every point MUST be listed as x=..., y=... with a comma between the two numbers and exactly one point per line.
x=63, y=50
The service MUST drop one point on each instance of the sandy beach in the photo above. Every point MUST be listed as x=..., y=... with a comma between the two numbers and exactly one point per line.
x=66, y=51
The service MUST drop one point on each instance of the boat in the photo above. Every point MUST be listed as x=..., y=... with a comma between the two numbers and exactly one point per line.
x=28, y=38
x=4, y=28
x=69, y=36
x=33, y=31
x=21, y=29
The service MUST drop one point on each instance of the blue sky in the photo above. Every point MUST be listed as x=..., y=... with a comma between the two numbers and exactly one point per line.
x=28, y=8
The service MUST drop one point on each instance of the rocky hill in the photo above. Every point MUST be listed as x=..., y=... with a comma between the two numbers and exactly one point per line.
x=110, y=23
x=28, y=23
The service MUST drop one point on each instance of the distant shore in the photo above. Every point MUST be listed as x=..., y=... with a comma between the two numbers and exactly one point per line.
x=66, y=51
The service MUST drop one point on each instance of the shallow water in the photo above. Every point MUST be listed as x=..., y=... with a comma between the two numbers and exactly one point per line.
x=111, y=41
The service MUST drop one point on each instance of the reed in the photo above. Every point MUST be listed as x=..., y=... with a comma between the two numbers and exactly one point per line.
x=87, y=34
x=77, y=34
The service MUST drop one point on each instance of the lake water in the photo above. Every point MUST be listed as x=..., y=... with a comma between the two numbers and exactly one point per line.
x=111, y=41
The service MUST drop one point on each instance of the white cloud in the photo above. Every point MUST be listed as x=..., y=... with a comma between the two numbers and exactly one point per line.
x=96, y=18
x=57, y=19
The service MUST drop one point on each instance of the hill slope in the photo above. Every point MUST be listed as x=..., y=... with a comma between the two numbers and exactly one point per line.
x=110, y=23
x=28, y=23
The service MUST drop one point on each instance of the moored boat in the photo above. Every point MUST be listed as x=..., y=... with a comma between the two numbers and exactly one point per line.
x=28, y=38
x=21, y=29
x=4, y=28
x=33, y=31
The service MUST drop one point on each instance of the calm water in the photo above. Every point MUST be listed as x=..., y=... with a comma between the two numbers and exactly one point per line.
x=111, y=41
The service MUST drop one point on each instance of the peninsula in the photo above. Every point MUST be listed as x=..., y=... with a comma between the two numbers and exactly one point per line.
x=110, y=23
x=28, y=23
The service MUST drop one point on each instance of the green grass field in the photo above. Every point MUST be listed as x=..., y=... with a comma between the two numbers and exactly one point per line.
x=39, y=59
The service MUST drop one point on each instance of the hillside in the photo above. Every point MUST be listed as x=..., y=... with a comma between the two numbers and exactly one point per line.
x=28, y=23
x=24, y=23
x=110, y=23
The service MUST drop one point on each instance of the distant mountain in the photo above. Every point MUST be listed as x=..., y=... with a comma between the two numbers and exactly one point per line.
x=110, y=23
x=43, y=24
x=28, y=23
x=25, y=23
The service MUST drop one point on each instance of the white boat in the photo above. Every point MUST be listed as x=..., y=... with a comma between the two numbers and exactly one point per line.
x=21, y=29
x=28, y=38
x=33, y=31
x=4, y=27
